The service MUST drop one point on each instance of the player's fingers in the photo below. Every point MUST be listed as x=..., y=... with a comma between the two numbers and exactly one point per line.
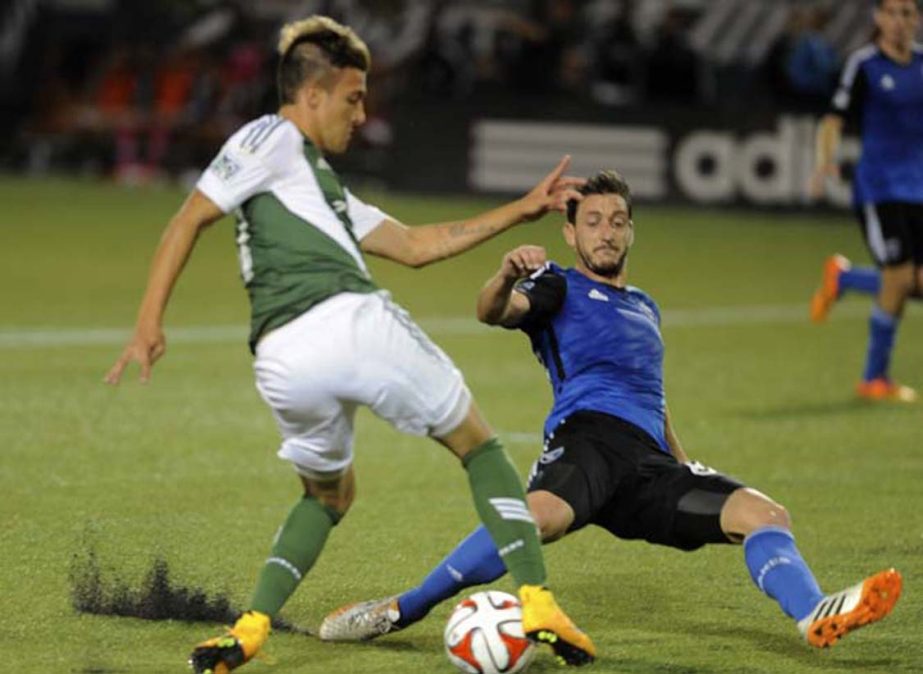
x=145, y=364
x=115, y=372
x=556, y=173
x=570, y=181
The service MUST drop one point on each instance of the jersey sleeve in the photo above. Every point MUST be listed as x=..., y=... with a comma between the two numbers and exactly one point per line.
x=545, y=290
x=247, y=163
x=364, y=217
x=851, y=90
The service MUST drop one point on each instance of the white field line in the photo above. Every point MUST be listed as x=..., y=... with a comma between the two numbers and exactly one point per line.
x=437, y=326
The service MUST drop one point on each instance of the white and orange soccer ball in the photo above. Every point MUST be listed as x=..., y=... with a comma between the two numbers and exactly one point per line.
x=484, y=635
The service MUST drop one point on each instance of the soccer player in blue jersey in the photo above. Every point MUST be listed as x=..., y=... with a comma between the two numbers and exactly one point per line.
x=611, y=457
x=882, y=86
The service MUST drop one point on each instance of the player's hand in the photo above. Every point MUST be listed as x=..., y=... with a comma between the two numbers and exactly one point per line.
x=817, y=184
x=522, y=261
x=552, y=193
x=145, y=348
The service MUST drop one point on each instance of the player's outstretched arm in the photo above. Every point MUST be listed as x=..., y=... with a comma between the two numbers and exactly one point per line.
x=421, y=245
x=148, y=343
x=498, y=304
x=827, y=144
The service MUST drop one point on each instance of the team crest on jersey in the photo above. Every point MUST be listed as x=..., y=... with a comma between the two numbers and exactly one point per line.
x=551, y=457
x=888, y=83
x=224, y=167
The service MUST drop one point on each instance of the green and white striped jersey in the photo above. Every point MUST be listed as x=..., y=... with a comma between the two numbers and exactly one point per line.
x=298, y=227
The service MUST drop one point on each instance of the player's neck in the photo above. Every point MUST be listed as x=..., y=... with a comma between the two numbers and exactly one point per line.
x=901, y=53
x=291, y=113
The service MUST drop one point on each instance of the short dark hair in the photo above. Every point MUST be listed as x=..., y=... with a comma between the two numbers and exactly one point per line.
x=604, y=182
x=313, y=47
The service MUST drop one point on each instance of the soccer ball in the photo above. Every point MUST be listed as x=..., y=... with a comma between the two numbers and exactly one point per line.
x=484, y=635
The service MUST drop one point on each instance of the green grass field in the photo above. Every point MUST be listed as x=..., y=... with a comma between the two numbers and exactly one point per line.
x=184, y=468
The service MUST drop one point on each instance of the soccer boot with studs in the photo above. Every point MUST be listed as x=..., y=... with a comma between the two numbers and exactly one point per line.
x=885, y=390
x=361, y=621
x=842, y=612
x=222, y=654
x=544, y=622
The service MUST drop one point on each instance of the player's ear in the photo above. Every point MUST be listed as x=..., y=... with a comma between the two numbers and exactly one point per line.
x=569, y=234
x=631, y=232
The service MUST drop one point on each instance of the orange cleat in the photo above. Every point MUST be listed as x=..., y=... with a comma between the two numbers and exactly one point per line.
x=829, y=291
x=544, y=622
x=883, y=389
x=840, y=613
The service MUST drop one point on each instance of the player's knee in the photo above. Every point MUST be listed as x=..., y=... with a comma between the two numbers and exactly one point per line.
x=747, y=510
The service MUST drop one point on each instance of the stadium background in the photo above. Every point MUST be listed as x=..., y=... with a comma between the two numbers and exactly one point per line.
x=708, y=107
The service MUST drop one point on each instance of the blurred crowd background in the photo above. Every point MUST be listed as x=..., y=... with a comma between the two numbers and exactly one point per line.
x=142, y=91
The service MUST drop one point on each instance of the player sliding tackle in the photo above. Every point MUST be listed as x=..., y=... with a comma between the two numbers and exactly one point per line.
x=327, y=339
x=611, y=457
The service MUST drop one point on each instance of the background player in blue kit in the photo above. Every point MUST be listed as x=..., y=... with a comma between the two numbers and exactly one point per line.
x=611, y=457
x=882, y=85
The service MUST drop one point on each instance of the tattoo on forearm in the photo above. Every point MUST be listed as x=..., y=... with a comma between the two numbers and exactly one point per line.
x=460, y=229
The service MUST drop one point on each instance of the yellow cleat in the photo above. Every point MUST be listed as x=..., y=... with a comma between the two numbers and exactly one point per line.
x=829, y=291
x=840, y=613
x=544, y=622
x=883, y=389
x=229, y=651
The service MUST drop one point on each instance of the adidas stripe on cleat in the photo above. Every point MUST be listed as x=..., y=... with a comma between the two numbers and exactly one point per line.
x=544, y=622
x=229, y=651
x=842, y=612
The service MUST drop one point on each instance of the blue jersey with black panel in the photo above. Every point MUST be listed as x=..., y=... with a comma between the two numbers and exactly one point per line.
x=601, y=346
x=887, y=98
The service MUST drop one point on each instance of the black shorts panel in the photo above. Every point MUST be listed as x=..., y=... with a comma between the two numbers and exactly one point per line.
x=893, y=232
x=615, y=476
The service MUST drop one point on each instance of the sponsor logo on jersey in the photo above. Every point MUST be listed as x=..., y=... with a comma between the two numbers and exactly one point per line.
x=224, y=167
x=594, y=294
x=551, y=457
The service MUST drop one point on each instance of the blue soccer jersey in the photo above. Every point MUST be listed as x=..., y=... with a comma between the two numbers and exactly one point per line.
x=601, y=347
x=887, y=99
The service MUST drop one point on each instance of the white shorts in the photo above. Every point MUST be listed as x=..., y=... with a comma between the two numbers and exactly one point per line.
x=354, y=349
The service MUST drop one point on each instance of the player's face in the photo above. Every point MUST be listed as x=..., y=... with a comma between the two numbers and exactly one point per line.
x=340, y=109
x=602, y=234
x=898, y=21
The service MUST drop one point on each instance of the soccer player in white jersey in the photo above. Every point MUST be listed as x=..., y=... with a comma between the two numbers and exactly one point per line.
x=327, y=339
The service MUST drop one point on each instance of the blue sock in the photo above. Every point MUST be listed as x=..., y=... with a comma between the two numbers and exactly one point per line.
x=778, y=570
x=863, y=279
x=473, y=562
x=882, y=328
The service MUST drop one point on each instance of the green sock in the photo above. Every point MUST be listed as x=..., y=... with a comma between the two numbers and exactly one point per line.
x=501, y=503
x=294, y=552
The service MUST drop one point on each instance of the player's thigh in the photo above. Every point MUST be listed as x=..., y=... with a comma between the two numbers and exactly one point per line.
x=403, y=376
x=887, y=229
x=573, y=467
x=674, y=504
x=299, y=370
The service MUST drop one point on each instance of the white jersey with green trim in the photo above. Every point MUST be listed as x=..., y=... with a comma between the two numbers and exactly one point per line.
x=298, y=227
